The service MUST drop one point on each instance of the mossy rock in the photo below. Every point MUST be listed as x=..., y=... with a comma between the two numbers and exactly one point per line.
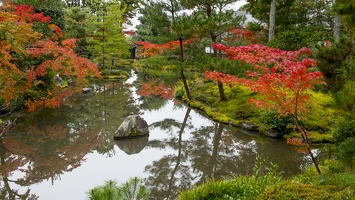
x=115, y=77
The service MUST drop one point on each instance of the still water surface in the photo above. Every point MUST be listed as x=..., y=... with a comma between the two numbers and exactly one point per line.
x=62, y=153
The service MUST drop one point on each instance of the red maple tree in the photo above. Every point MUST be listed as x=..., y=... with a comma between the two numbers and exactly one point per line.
x=150, y=49
x=281, y=77
x=50, y=55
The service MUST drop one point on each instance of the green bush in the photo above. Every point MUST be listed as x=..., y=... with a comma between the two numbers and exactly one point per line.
x=271, y=121
x=156, y=62
x=114, y=72
x=345, y=98
x=334, y=177
x=234, y=67
x=298, y=191
x=240, y=187
x=346, y=152
x=335, y=63
x=321, y=113
x=299, y=36
x=132, y=189
x=179, y=92
x=344, y=128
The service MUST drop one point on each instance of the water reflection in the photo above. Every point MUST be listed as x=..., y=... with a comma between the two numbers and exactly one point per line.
x=209, y=151
x=73, y=147
x=132, y=145
x=44, y=145
x=43, y=153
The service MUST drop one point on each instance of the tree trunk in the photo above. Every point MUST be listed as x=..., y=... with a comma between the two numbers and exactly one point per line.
x=305, y=138
x=337, y=24
x=272, y=20
x=103, y=40
x=214, y=40
x=183, y=78
x=222, y=96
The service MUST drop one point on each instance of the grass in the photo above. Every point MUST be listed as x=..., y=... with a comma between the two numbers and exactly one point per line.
x=239, y=187
x=307, y=186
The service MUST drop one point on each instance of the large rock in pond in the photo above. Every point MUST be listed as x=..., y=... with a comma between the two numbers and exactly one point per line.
x=133, y=145
x=133, y=126
x=273, y=134
x=248, y=126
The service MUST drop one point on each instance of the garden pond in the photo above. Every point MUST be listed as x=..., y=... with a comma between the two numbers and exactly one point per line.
x=62, y=153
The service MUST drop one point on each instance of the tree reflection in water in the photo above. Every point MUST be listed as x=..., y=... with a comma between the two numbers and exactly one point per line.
x=50, y=142
x=192, y=149
x=42, y=154
x=212, y=151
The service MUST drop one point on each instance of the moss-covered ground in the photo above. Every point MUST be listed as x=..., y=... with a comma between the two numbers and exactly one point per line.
x=236, y=108
x=320, y=119
x=337, y=178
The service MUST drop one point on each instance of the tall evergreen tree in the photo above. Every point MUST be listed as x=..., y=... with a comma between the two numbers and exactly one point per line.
x=215, y=20
x=108, y=42
x=130, y=7
x=345, y=8
x=154, y=22
x=77, y=20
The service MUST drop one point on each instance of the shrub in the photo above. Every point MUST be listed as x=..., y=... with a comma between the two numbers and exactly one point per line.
x=321, y=113
x=299, y=36
x=156, y=62
x=271, y=121
x=344, y=128
x=241, y=187
x=298, y=191
x=179, y=92
x=334, y=179
x=346, y=152
x=234, y=67
x=132, y=189
x=345, y=98
x=335, y=64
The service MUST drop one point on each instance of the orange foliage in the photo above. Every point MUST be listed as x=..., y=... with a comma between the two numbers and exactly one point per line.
x=153, y=87
x=57, y=31
x=60, y=58
x=151, y=50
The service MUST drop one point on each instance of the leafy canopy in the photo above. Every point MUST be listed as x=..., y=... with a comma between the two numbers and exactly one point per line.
x=46, y=55
x=282, y=77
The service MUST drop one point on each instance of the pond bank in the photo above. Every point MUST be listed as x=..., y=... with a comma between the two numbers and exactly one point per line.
x=236, y=110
